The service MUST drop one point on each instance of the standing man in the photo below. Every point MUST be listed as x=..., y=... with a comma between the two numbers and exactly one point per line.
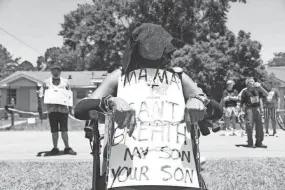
x=250, y=104
x=58, y=114
x=230, y=97
x=271, y=105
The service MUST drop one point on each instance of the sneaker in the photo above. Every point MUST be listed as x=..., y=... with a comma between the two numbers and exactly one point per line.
x=69, y=151
x=233, y=134
x=251, y=145
x=260, y=145
x=216, y=128
x=275, y=134
x=54, y=151
x=266, y=134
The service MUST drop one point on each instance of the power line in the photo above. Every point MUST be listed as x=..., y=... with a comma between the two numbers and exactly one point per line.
x=20, y=40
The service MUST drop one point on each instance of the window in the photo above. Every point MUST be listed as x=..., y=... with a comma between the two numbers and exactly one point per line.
x=12, y=96
x=81, y=93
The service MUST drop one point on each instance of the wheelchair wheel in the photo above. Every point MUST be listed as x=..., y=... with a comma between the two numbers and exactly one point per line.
x=280, y=122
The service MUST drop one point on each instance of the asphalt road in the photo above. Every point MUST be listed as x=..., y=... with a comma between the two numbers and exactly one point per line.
x=26, y=145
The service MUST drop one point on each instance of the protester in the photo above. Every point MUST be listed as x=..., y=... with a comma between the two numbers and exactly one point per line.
x=149, y=48
x=250, y=104
x=230, y=97
x=58, y=114
x=271, y=105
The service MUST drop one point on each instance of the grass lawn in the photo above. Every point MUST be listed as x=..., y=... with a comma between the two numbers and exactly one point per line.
x=245, y=174
x=222, y=174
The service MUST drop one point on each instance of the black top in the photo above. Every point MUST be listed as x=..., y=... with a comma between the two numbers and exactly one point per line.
x=251, y=98
x=232, y=93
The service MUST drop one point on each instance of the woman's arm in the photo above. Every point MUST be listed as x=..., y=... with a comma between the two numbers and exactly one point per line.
x=108, y=87
x=189, y=87
x=214, y=110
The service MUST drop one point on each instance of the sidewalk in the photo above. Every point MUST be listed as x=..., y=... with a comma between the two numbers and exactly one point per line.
x=217, y=146
x=26, y=145
x=9, y=124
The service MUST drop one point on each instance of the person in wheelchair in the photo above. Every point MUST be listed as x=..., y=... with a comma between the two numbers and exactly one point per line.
x=149, y=47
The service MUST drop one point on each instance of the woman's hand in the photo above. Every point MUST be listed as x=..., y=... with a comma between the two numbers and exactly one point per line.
x=195, y=110
x=227, y=98
x=124, y=114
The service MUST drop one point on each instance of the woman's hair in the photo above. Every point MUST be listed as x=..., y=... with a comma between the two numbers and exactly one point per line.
x=248, y=79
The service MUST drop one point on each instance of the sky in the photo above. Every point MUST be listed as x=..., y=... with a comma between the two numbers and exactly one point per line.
x=265, y=20
x=38, y=22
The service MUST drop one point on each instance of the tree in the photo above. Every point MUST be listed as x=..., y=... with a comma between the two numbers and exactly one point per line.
x=278, y=60
x=26, y=66
x=96, y=35
x=67, y=58
x=213, y=54
x=41, y=63
x=227, y=57
x=183, y=19
x=52, y=54
x=92, y=32
x=7, y=64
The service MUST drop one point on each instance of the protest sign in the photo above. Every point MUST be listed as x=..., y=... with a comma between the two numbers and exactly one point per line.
x=58, y=96
x=160, y=150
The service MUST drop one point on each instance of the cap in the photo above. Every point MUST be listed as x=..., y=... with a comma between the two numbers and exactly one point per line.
x=150, y=41
x=55, y=66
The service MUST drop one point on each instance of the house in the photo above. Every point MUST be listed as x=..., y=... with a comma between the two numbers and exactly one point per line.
x=22, y=86
x=278, y=72
x=279, y=76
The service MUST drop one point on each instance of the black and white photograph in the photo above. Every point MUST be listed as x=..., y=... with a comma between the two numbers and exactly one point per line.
x=142, y=94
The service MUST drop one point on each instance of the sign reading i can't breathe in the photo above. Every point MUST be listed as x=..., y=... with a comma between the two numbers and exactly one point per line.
x=159, y=153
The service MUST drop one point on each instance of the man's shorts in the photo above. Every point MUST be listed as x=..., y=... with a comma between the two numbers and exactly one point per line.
x=269, y=113
x=58, y=121
x=231, y=111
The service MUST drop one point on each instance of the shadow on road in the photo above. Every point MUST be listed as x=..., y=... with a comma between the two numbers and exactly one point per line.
x=47, y=153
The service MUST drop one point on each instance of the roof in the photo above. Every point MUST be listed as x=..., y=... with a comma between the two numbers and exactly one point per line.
x=78, y=78
x=279, y=73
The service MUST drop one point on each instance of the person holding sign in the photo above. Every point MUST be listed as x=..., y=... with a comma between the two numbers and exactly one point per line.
x=54, y=93
x=251, y=106
x=151, y=147
x=271, y=106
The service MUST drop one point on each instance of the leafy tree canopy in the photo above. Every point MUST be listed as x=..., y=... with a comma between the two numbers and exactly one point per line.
x=95, y=36
x=278, y=60
x=8, y=65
